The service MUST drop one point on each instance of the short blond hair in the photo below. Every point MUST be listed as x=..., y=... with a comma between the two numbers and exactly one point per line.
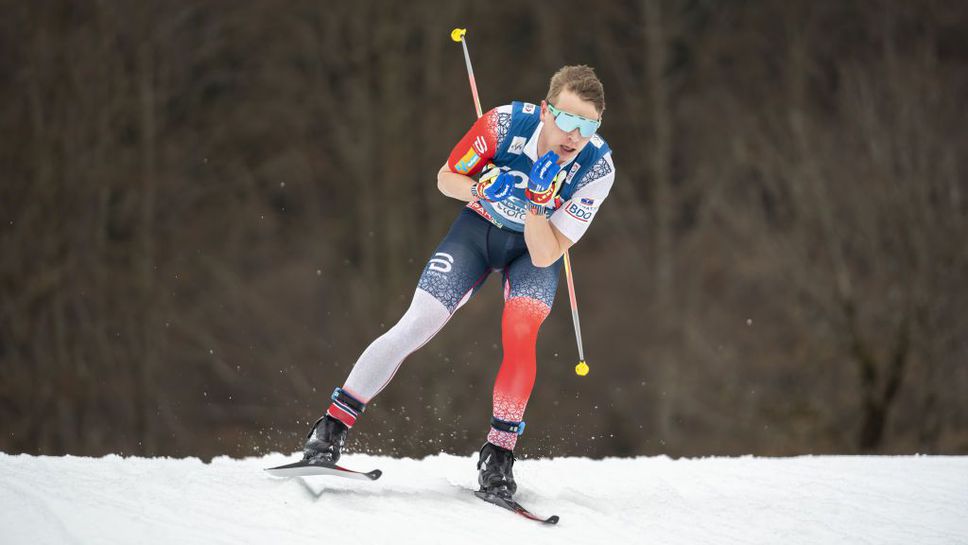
x=582, y=81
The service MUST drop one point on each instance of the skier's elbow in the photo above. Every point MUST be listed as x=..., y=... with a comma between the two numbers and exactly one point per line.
x=542, y=261
x=537, y=262
x=446, y=189
x=543, y=252
x=442, y=179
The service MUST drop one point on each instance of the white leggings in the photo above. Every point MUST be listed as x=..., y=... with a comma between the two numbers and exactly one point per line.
x=380, y=361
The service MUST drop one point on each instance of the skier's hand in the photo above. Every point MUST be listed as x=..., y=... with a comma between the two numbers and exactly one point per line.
x=543, y=181
x=494, y=186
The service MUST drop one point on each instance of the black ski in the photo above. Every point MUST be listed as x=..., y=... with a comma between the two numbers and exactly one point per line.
x=515, y=507
x=303, y=468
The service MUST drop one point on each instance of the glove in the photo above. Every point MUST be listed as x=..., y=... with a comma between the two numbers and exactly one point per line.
x=495, y=185
x=543, y=182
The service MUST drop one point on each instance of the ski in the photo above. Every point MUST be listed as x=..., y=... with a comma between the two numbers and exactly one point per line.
x=303, y=468
x=515, y=507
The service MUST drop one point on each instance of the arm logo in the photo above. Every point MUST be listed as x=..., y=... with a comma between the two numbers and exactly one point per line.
x=480, y=144
x=580, y=213
x=467, y=162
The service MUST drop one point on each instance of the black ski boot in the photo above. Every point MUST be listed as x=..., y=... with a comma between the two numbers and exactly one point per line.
x=495, y=476
x=325, y=441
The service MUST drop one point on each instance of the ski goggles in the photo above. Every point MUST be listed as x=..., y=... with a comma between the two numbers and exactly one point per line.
x=569, y=122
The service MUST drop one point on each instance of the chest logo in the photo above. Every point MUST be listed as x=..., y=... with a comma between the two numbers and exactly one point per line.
x=517, y=145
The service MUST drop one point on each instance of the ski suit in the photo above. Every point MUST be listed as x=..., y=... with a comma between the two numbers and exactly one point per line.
x=488, y=237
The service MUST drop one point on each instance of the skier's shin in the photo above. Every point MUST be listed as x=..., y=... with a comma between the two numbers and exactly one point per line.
x=519, y=333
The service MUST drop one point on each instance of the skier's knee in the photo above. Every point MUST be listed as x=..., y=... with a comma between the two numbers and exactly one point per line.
x=523, y=317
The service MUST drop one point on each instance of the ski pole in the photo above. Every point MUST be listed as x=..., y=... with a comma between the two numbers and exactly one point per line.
x=582, y=368
x=458, y=35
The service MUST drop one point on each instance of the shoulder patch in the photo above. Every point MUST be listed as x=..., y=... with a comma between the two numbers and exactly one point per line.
x=596, y=141
x=528, y=108
x=467, y=162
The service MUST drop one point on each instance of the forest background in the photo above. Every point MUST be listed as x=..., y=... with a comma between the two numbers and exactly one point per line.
x=209, y=209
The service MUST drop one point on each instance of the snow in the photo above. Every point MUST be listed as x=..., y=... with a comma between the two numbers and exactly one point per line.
x=817, y=500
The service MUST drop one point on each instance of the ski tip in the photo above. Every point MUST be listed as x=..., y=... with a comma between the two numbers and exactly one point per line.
x=515, y=507
x=277, y=470
x=298, y=463
x=302, y=468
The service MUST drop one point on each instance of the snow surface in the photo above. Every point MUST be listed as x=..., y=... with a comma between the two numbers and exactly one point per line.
x=817, y=500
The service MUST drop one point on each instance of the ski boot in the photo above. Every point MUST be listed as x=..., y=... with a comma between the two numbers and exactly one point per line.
x=325, y=441
x=495, y=475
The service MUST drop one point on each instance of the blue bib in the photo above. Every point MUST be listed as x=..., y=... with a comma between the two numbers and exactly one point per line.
x=512, y=156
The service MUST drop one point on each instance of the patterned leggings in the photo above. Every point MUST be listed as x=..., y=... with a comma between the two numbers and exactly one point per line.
x=471, y=250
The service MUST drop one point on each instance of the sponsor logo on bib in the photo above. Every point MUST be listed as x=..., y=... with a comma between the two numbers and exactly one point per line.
x=572, y=171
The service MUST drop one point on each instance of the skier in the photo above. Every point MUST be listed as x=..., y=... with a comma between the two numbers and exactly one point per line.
x=545, y=175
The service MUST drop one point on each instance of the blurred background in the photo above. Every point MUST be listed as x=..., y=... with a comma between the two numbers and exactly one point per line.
x=209, y=209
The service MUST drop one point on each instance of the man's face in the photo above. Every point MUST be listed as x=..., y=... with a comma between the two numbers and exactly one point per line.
x=566, y=144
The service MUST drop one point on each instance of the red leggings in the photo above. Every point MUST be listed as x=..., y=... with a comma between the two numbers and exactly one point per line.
x=519, y=335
